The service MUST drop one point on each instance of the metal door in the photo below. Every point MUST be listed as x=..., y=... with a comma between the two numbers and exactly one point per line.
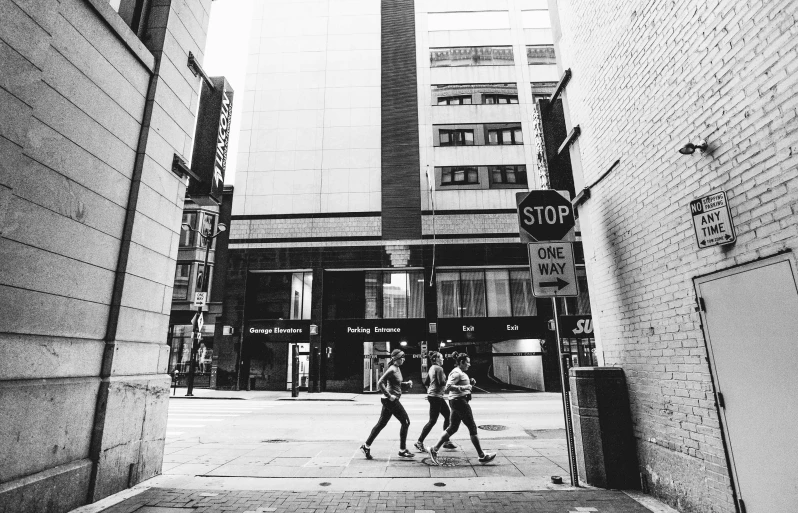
x=750, y=317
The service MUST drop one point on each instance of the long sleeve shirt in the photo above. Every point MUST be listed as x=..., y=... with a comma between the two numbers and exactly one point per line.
x=392, y=381
x=457, y=378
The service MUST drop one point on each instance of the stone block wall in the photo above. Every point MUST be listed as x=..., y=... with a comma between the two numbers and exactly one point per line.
x=89, y=225
x=647, y=77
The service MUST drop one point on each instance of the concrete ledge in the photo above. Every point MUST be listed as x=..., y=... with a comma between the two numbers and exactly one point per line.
x=54, y=490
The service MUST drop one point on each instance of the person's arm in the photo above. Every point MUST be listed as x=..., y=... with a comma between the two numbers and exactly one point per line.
x=440, y=376
x=454, y=376
x=382, y=381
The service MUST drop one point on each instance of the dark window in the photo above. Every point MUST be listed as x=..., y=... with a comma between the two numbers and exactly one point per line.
x=182, y=275
x=374, y=294
x=495, y=99
x=505, y=136
x=454, y=100
x=279, y=295
x=133, y=12
x=188, y=237
x=508, y=175
x=456, y=137
x=459, y=175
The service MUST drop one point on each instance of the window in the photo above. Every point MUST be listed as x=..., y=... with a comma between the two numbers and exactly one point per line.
x=182, y=275
x=459, y=175
x=507, y=175
x=536, y=55
x=495, y=99
x=454, y=100
x=472, y=56
x=188, y=237
x=456, y=137
x=200, y=222
x=374, y=294
x=199, y=282
x=279, y=295
x=485, y=293
x=505, y=136
x=133, y=12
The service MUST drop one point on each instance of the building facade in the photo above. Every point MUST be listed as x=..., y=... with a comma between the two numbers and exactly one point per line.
x=382, y=147
x=97, y=102
x=697, y=308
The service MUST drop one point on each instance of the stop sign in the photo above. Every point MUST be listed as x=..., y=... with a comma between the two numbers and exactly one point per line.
x=545, y=215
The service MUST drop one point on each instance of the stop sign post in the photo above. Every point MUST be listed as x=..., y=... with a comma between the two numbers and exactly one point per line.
x=545, y=215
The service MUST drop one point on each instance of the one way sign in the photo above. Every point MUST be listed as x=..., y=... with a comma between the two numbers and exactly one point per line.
x=552, y=268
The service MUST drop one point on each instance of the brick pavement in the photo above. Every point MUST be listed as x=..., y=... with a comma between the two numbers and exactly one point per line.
x=170, y=500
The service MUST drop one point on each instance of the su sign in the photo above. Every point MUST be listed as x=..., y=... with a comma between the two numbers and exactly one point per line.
x=545, y=215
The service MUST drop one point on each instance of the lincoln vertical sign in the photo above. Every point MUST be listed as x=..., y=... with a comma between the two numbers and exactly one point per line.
x=211, y=140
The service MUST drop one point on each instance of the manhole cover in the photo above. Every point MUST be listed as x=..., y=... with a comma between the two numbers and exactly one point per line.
x=325, y=483
x=444, y=461
x=274, y=441
x=493, y=427
x=440, y=484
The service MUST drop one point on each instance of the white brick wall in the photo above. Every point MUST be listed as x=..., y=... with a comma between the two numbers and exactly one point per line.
x=648, y=76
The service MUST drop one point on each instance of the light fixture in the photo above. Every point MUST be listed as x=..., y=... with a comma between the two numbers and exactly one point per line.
x=443, y=344
x=221, y=227
x=689, y=148
x=403, y=343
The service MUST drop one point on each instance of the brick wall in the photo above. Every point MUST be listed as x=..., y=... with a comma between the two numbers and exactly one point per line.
x=648, y=76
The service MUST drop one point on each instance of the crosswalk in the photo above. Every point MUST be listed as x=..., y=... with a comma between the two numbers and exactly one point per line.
x=194, y=414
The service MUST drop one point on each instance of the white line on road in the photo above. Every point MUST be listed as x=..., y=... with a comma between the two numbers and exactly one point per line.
x=174, y=433
x=186, y=425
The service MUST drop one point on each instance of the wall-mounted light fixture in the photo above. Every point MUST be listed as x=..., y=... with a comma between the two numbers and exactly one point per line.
x=689, y=148
x=196, y=69
x=403, y=343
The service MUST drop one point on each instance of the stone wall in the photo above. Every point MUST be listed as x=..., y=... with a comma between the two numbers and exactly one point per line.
x=89, y=217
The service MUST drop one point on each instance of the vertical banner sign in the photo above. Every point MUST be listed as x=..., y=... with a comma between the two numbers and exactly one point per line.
x=712, y=220
x=211, y=139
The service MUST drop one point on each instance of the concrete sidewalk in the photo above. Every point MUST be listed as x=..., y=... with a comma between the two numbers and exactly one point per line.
x=260, y=395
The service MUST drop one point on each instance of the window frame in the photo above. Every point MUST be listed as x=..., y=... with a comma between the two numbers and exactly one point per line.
x=450, y=100
x=467, y=173
x=460, y=308
x=516, y=136
x=503, y=171
x=456, y=136
x=497, y=99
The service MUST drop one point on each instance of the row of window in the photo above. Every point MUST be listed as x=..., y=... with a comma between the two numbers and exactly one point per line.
x=493, y=137
x=486, y=99
x=469, y=175
x=489, y=56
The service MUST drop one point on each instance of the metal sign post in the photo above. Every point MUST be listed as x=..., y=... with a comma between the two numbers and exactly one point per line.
x=566, y=400
x=295, y=371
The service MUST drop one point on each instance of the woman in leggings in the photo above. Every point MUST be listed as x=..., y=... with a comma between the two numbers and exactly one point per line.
x=437, y=403
x=391, y=385
x=459, y=387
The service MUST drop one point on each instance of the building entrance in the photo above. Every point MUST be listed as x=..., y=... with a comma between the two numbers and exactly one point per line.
x=304, y=365
x=376, y=356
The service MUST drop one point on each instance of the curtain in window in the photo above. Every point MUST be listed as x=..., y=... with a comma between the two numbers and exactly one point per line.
x=497, y=285
x=448, y=285
x=394, y=295
x=473, y=293
x=415, y=302
x=373, y=295
x=521, y=294
x=307, y=287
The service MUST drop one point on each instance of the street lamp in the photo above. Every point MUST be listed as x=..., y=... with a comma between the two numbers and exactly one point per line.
x=196, y=335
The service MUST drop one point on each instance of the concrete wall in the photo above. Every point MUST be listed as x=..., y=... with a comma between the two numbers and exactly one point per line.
x=524, y=371
x=89, y=218
x=648, y=76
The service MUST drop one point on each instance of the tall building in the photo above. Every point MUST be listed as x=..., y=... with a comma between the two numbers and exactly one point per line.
x=690, y=247
x=382, y=147
x=97, y=103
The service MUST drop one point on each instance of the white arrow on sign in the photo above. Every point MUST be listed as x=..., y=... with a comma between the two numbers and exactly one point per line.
x=551, y=265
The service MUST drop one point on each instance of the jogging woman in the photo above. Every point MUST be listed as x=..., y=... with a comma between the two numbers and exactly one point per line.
x=437, y=403
x=391, y=385
x=459, y=387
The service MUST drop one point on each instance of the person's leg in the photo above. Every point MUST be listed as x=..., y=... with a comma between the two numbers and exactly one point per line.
x=385, y=416
x=468, y=420
x=399, y=412
x=434, y=411
x=454, y=425
x=446, y=413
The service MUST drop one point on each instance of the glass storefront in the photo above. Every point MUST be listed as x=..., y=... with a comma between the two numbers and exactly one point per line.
x=180, y=338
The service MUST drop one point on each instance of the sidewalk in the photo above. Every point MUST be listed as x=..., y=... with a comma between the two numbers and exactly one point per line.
x=261, y=395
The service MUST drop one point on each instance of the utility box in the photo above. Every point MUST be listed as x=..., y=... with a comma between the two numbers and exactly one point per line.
x=606, y=452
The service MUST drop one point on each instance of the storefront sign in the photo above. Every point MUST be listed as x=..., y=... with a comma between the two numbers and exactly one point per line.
x=211, y=140
x=576, y=326
x=393, y=330
x=491, y=329
x=278, y=331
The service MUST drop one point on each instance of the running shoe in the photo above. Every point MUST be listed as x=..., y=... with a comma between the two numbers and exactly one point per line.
x=449, y=445
x=366, y=451
x=485, y=458
x=433, y=454
x=404, y=453
x=420, y=447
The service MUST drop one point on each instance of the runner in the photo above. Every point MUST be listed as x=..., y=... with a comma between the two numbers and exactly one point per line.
x=391, y=385
x=459, y=387
x=437, y=403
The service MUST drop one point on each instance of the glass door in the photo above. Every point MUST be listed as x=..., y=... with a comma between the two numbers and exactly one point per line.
x=376, y=356
x=304, y=365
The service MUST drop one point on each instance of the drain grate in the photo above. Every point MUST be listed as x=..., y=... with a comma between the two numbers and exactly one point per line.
x=439, y=484
x=444, y=461
x=493, y=427
x=274, y=441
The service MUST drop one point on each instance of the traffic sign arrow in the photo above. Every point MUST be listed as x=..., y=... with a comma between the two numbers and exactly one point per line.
x=559, y=283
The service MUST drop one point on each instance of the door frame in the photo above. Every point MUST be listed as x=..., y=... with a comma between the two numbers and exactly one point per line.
x=782, y=256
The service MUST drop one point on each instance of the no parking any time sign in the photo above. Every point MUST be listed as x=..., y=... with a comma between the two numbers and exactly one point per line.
x=712, y=220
